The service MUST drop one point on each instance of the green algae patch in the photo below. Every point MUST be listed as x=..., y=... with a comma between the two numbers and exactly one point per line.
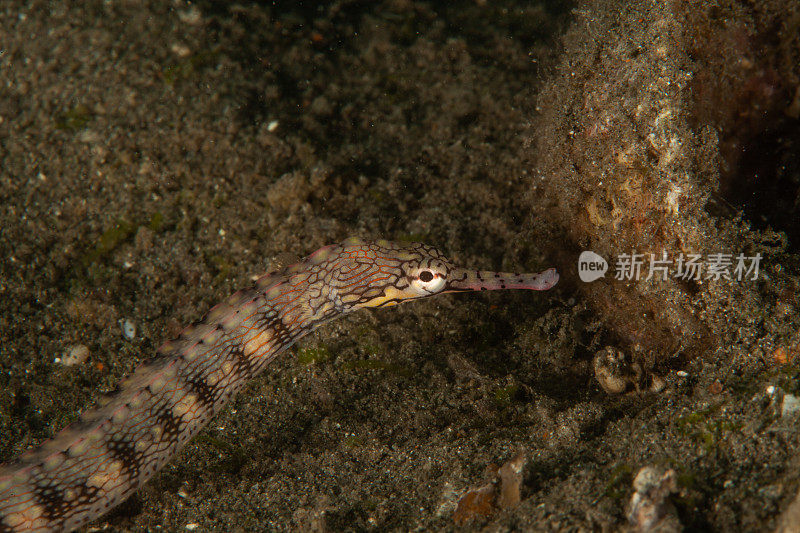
x=377, y=364
x=108, y=241
x=788, y=376
x=217, y=443
x=221, y=264
x=233, y=459
x=189, y=67
x=702, y=427
x=695, y=418
x=156, y=222
x=352, y=441
x=310, y=356
x=618, y=486
x=74, y=119
x=119, y=233
x=91, y=266
x=505, y=396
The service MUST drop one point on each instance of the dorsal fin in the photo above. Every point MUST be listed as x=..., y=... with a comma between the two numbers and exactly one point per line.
x=283, y=260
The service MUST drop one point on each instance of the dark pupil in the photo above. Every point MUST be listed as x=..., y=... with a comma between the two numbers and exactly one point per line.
x=425, y=276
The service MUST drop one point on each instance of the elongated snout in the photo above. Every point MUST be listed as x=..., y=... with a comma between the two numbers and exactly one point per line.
x=483, y=280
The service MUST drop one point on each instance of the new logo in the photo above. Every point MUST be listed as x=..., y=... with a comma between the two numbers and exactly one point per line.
x=591, y=266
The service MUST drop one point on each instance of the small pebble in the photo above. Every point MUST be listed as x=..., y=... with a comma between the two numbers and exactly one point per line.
x=650, y=507
x=771, y=492
x=128, y=329
x=486, y=500
x=474, y=504
x=448, y=500
x=682, y=374
x=770, y=389
x=791, y=405
x=321, y=106
x=74, y=356
x=612, y=370
x=510, y=475
x=89, y=136
x=190, y=16
x=180, y=50
x=272, y=126
x=192, y=526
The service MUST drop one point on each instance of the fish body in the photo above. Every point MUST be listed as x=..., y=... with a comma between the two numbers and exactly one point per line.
x=100, y=460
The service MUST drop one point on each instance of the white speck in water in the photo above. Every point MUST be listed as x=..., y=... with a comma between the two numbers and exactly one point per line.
x=128, y=329
x=272, y=126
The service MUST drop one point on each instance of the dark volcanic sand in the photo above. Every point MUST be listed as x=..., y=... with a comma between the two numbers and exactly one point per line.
x=157, y=155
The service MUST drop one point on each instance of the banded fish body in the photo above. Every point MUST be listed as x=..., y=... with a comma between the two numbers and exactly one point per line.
x=100, y=460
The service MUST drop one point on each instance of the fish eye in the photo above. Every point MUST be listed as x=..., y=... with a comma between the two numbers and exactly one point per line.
x=428, y=282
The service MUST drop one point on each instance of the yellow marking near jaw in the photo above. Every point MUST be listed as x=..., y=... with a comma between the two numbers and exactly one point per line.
x=391, y=293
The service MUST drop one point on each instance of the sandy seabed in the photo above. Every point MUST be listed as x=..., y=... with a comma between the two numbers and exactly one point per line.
x=156, y=155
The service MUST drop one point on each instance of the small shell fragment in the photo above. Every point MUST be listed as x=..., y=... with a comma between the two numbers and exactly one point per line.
x=74, y=356
x=790, y=406
x=128, y=327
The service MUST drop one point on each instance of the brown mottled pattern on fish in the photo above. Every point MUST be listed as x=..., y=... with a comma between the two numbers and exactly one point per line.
x=99, y=461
